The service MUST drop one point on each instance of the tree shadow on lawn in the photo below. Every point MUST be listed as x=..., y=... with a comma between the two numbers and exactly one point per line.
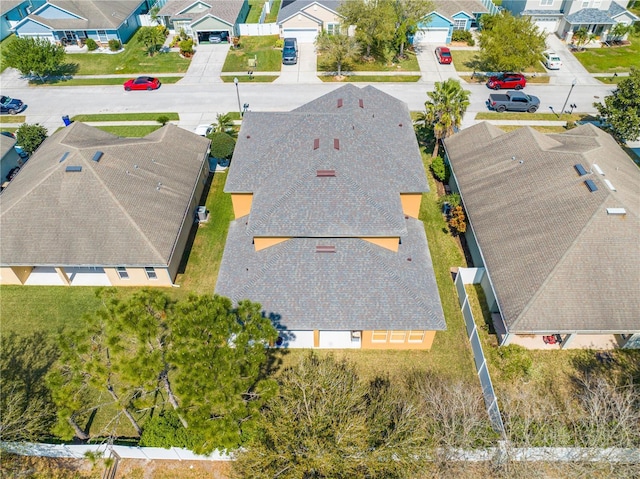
x=63, y=73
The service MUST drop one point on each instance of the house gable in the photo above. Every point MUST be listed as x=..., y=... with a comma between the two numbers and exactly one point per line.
x=435, y=20
x=54, y=12
x=211, y=22
x=195, y=8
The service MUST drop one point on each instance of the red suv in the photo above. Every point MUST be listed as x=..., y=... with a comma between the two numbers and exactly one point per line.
x=514, y=81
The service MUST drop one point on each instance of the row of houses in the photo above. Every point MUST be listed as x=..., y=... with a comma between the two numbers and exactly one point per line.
x=326, y=234
x=71, y=21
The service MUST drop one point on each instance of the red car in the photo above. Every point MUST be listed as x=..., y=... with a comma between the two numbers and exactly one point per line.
x=142, y=83
x=443, y=54
x=514, y=81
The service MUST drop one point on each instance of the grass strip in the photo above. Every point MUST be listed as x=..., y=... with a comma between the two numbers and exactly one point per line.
x=12, y=119
x=94, y=81
x=126, y=116
x=482, y=79
x=490, y=115
x=371, y=79
x=247, y=79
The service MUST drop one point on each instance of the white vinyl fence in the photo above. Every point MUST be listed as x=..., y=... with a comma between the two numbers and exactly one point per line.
x=258, y=29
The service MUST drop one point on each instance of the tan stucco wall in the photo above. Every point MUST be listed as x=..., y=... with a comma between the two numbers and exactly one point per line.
x=299, y=21
x=63, y=276
x=262, y=243
x=241, y=204
x=391, y=243
x=426, y=343
x=15, y=274
x=322, y=13
x=316, y=338
x=138, y=277
x=411, y=204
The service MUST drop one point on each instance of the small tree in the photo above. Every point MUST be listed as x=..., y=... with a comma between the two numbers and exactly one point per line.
x=408, y=13
x=114, y=45
x=338, y=49
x=30, y=137
x=163, y=119
x=619, y=31
x=186, y=47
x=222, y=144
x=34, y=56
x=621, y=110
x=582, y=37
x=374, y=21
x=152, y=38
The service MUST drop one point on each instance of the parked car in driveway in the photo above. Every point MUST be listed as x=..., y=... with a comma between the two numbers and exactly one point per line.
x=10, y=105
x=552, y=60
x=290, y=51
x=203, y=130
x=218, y=37
x=142, y=83
x=513, y=101
x=443, y=54
x=515, y=81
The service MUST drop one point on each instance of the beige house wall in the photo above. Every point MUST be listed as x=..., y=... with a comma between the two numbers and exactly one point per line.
x=390, y=243
x=138, y=277
x=370, y=342
x=299, y=21
x=411, y=204
x=241, y=204
x=14, y=274
x=262, y=243
x=323, y=14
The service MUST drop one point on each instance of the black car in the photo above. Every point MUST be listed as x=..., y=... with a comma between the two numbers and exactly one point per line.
x=10, y=105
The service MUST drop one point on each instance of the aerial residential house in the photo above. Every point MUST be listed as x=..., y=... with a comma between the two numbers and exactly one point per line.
x=326, y=233
x=554, y=220
x=306, y=19
x=9, y=159
x=91, y=208
x=201, y=18
x=73, y=21
x=450, y=15
x=12, y=11
x=565, y=17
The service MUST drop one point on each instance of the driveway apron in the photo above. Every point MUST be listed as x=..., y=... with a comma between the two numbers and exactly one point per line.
x=305, y=71
x=571, y=68
x=430, y=69
x=206, y=64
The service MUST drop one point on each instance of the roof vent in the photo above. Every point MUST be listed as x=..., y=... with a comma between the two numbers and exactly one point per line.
x=325, y=173
x=336, y=144
x=580, y=169
x=325, y=249
x=591, y=185
x=598, y=169
x=361, y=103
x=72, y=169
x=609, y=185
x=616, y=211
x=339, y=102
x=64, y=156
x=97, y=156
x=316, y=143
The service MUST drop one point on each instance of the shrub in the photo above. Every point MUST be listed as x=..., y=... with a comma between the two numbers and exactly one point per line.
x=163, y=119
x=440, y=169
x=222, y=145
x=114, y=45
x=279, y=43
x=186, y=47
x=453, y=199
x=165, y=430
x=30, y=137
x=163, y=29
x=462, y=36
x=458, y=220
x=91, y=44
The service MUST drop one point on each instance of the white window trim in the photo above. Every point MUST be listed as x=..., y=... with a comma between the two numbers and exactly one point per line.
x=459, y=24
x=151, y=273
x=122, y=272
x=546, y=3
x=396, y=333
x=373, y=334
x=422, y=335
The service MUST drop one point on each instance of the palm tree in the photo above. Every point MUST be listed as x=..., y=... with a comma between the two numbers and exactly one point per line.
x=582, y=37
x=224, y=124
x=444, y=110
x=152, y=38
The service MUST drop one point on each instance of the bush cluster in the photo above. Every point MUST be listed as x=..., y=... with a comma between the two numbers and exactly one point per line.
x=186, y=47
x=440, y=169
x=463, y=36
x=91, y=44
x=114, y=45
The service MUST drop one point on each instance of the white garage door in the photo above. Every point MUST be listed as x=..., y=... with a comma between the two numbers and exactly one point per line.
x=431, y=35
x=304, y=35
x=546, y=24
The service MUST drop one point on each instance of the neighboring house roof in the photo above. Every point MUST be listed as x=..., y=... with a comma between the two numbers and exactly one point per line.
x=590, y=15
x=126, y=209
x=542, y=13
x=6, y=145
x=92, y=14
x=370, y=163
x=226, y=10
x=616, y=10
x=557, y=260
x=8, y=5
x=291, y=8
x=448, y=8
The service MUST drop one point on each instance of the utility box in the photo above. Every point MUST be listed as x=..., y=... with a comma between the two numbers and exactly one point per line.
x=202, y=215
x=66, y=120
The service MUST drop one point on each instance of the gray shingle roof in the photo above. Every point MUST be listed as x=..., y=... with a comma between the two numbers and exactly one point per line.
x=448, y=8
x=377, y=160
x=113, y=212
x=557, y=260
x=6, y=145
x=616, y=9
x=96, y=14
x=227, y=10
x=361, y=286
x=590, y=15
x=553, y=13
x=291, y=8
x=8, y=5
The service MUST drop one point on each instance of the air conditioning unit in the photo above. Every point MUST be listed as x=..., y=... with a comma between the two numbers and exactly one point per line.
x=356, y=335
x=202, y=215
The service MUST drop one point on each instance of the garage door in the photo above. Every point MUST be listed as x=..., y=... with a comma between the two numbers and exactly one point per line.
x=304, y=35
x=431, y=35
x=546, y=24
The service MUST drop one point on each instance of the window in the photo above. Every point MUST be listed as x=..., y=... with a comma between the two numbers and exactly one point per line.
x=397, y=336
x=379, y=337
x=416, y=336
x=546, y=3
x=122, y=272
x=333, y=28
x=459, y=24
x=585, y=4
x=151, y=273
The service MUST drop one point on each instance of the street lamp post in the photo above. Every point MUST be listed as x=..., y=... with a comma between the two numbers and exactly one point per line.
x=573, y=83
x=235, y=80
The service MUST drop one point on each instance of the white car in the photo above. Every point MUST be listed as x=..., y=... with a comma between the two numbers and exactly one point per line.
x=552, y=61
x=203, y=130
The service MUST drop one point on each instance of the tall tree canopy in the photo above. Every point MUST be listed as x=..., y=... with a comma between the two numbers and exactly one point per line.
x=30, y=137
x=34, y=56
x=509, y=43
x=200, y=357
x=408, y=13
x=621, y=109
x=339, y=49
x=374, y=21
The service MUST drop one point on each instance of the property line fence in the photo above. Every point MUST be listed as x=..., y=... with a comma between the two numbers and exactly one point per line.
x=474, y=276
x=258, y=29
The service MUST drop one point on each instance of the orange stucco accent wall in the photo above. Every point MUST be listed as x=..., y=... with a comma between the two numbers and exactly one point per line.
x=241, y=204
x=393, y=340
x=391, y=243
x=262, y=243
x=316, y=338
x=138, y=277
x=411, y=203
x=14, y=274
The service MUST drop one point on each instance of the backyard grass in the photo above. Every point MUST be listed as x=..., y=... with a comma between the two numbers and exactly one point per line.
x=611, y=59
x=255, y=10
x=130, y=131
x=410, y=64
x=12, y=119
x=261, y=48
x=4, y=44
x=93, y=81
x=467, y=61
x=247, y=79
x=126, y=116
x=370, y=78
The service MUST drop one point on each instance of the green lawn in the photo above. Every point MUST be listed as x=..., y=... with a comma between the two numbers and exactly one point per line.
x=255, y=7
x=3, y=45
x=262, y=48
x=12, y=119
x=612, y=59
x=93, y=81
x=491, y=115
x=371, y=78
x=410, y=64
x=126, y=116
x=467, y=61
x=246, y=79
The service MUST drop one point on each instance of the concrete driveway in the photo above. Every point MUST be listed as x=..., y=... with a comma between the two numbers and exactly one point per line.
x=206, y=64
x=430, y=69
x=305, y=71
x=571, y=68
